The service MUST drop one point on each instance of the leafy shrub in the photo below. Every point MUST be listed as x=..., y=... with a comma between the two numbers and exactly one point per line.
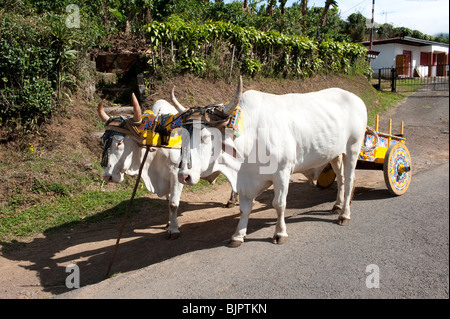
x=193, y=64
x=26, y=61
x=269, y=53
x=38, y=59
x=251, y=66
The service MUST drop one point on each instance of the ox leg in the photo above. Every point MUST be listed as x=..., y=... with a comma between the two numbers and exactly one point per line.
x=338, y=167
x=233, y=200
x=281, y=186
x=349, y=179
x=245, y=205
x=174, y=201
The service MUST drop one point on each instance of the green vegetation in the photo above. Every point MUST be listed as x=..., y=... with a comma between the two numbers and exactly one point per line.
x=39, y=57
x=65, y=210
x=387, y=100
x=189, y=46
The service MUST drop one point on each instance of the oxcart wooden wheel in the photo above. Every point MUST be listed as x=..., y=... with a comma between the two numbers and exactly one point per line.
x=326, y=177
x=397, y=169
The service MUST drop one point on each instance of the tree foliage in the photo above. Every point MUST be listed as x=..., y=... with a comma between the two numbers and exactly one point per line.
x=269, y=52
x=40, y=57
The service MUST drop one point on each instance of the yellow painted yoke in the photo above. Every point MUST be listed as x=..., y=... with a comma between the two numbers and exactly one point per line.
x=165, y=130
x=160, y=130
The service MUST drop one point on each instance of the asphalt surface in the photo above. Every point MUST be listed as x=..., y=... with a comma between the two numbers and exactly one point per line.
x=394, y=247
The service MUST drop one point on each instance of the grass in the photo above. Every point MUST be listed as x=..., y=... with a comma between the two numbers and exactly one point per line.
x=386, y=101
x=45, y=190
x=203, y=185
x=64, y=211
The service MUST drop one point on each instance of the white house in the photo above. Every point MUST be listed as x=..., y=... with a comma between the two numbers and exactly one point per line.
x=411, y=56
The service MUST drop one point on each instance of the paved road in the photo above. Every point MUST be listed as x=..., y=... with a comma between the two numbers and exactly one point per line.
x=426, y=117
x=398, y=244
x=406, y=237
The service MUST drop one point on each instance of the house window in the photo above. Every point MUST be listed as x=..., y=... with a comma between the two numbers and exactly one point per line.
x=425, y=58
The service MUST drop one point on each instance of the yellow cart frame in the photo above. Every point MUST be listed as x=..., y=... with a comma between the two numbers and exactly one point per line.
x=390, y=155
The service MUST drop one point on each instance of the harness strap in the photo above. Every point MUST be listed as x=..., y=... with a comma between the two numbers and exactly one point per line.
x=214, y=117
x=207, y=115
x=117, y=129
x=127, y=128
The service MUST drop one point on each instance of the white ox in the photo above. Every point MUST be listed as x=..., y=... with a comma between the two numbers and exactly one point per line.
x=282, y=135
x=159, y=174
x=123, y=154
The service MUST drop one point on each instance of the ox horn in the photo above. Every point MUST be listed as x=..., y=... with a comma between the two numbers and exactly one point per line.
x=136, y=110
x=101, y=112
x=229, y=107
x=180, y=108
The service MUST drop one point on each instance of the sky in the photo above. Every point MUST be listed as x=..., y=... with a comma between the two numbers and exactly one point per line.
x=428, y=16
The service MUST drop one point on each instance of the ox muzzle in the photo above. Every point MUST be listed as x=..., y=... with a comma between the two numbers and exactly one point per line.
x=185, y=158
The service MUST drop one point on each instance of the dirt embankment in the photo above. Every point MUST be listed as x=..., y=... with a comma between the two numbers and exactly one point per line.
x=194, y=91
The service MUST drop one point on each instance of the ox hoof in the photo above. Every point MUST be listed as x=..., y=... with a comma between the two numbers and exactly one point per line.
x=234, y=243
x=336, y=210
x=230, y=204
x=279, y=240
x=172, y=236
x=343, y=221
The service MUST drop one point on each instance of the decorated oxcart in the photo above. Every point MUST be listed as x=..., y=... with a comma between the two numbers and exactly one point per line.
x=388, y=153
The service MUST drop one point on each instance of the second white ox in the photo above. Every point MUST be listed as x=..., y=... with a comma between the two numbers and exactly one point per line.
x=282, y=135
x=123, y=154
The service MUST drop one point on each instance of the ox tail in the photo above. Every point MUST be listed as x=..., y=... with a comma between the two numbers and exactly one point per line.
x=375, y=145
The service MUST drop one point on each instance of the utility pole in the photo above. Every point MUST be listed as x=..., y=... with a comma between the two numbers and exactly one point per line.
x=371, y=27
x=371, y=55
x=385, y=15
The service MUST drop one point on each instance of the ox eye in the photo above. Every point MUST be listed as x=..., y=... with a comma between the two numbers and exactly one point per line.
x=119, y=139
x=206, y=138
